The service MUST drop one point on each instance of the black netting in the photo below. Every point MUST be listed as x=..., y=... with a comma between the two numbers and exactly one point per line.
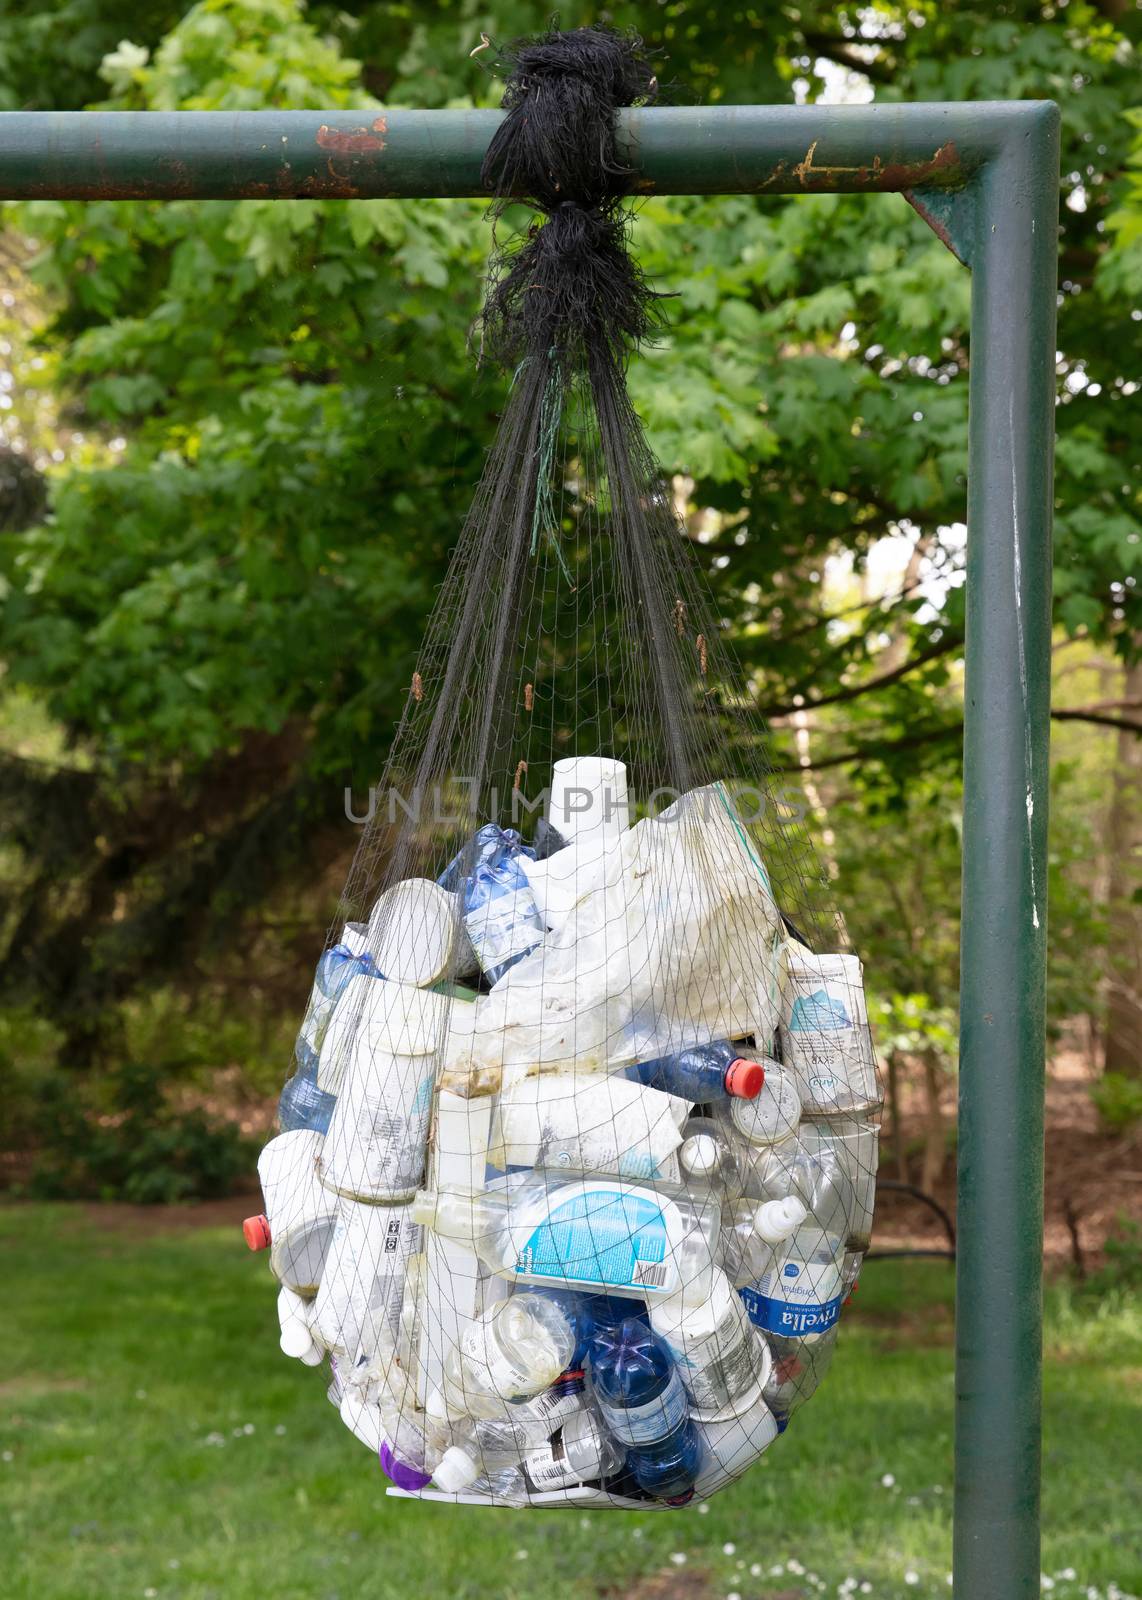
x=578, y=1158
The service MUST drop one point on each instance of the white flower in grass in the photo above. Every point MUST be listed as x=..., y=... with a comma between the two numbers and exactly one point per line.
x=888, y=1480
x=636, y=1533
x=911, y=1577
x=704, y=1509
x=280, y=1430
x=755, y=1570
x=795, y=1567
x=728, y=1548
x=733, y=1595
x=866, y=1587
x=678, y=1557
x=522, y=1555
x=1046, y=1582
x=1067, y=1575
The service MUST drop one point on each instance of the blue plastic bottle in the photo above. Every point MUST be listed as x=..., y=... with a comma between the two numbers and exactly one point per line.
x=705, y=1072
x=302, y=1103
x=644, y=1404
x=500, y=914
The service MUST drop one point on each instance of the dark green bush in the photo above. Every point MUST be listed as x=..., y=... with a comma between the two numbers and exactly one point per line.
x=127, y=1143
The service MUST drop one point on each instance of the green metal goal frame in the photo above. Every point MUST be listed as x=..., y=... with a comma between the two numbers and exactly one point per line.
x=985, y=177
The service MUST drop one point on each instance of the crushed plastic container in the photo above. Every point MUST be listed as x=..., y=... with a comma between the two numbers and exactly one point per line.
x=416, y=934
x=587, y=1122
x=501, y=920
x=514, y=1350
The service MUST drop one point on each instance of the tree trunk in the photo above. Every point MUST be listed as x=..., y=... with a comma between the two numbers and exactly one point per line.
x=1123, y=1051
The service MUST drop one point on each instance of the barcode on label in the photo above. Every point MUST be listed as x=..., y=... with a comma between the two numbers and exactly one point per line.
x=650, y=1274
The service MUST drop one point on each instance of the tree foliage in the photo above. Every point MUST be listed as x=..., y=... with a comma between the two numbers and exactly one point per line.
x=222, y=607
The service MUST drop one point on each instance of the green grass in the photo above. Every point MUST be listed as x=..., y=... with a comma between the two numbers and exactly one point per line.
x=156, y=1444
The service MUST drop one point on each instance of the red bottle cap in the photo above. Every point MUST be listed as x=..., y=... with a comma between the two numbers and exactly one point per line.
x=256, y=1232
x=744, y=1078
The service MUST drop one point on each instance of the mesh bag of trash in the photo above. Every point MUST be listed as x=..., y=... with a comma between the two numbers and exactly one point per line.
x=576, y=1167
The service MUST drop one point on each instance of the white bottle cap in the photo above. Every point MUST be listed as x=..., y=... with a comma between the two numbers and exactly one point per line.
x=296, y=1339
x=455, y=1470
x=775, y=1220
x=700, y=1156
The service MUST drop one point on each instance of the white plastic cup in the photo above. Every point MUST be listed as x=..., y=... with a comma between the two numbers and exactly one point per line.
x=589, y=799
x=732, y=1445
x=825, y=1039
x=299, y=1210
x=413, y=930
x=378, y=1133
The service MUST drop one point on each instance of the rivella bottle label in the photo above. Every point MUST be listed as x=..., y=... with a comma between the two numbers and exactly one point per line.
x=795, y=1298
x=602, y=1235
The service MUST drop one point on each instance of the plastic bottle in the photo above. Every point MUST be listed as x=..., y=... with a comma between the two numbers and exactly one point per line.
x=500, y=914
x=847, y=1149
x=752, y=1231
x=800, y=1292
x=643, y=1402
x=362, y=1284
x=515, y=1349
x=580, y=1451
x=704, y=1072
x=707, y=1161
x=302, y=1105
x=773, y=1114
x=721, y=1357
x=582, y=1233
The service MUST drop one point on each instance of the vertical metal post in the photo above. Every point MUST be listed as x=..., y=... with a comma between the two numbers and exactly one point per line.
x=1007, y=705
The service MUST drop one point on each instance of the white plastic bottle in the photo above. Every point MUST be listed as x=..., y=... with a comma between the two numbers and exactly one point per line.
x=721, y=1357
x=362, y=1286
x=387, y=1034
x=636, y=1239
x=848, y=1146
x=752, y=1232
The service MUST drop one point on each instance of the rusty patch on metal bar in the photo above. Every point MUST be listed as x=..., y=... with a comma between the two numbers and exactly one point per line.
x=358, y=142
x=944, y=162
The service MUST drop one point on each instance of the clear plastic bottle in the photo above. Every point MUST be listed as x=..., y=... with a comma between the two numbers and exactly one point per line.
x=302, y=1103
x=751, y=1233
x=579, y=1451
x=500, y=915
x=772, y=1115
x=643, y=1402
x=590, y=1234
x=514, y=1350
x=721, y=1357
x=703, y=1073
x=799, y=1293
x=708, y=1162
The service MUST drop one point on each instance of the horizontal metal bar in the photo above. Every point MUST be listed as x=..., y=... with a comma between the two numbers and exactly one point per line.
x=223, y=155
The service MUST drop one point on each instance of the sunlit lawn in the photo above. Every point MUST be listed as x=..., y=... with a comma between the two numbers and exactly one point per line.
x=155, y=1443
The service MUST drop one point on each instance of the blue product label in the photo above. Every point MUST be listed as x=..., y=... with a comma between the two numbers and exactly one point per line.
x=819, y=1012
x=605, y=1237
x=795, y=1321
